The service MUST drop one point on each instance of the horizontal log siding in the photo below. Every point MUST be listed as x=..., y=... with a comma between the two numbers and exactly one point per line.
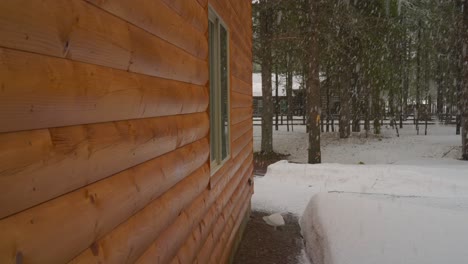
x=34, y=162
x=104, y=132
x=60, y=92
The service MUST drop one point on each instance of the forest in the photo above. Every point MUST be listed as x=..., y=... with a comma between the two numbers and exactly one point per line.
x=361, y=64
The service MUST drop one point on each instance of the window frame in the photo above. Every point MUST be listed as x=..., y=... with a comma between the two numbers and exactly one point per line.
x=216, y=160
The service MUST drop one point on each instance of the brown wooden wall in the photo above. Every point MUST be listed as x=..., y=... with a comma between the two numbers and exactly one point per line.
x=104, y=132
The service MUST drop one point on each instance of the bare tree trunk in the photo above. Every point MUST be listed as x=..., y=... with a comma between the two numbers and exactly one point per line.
x=289, y=94
x=277, y=105
x=428, y=114
x=403, y=73
x=313, y=95
x=266, y=62
x=366, y=106
x=327, y=91
x=465, y=84
x=376, y=108
x=345, y=109
x=356, y=123
x=328, y=107
x=440, y=94
x=418, y=80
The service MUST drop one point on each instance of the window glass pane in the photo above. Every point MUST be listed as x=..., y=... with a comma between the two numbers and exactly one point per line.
x=224, y=93
x=212, y=90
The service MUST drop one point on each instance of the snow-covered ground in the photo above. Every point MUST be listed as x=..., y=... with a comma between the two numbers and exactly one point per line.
x=409, y=148
x=407, y=204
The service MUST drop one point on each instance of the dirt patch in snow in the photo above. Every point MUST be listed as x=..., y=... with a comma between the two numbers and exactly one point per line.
x=262, y=244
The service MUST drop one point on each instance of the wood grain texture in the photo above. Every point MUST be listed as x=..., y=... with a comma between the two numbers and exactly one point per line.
x=243, y=59
x=230, y=164
x=239, y=100
x=192, y=12
x=195, y=241
x=129, y=240
x=240, y=70
x=222, y=223
x=219, y=253
x=223, y=8
x=227, y=249
x=241, y=114
x=83, y=32
x=91, y=212
x=240, y=129
x=104, y=131
x=155, y=57
x=241, y=86
x=39, y=165
x=241, y=142
x=157, y=18
x=165, y=248
x=191, y=251
x=59, y=92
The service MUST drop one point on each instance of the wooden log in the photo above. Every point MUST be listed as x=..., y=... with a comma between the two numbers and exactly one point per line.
x=241, y=58
x=216, y=254
x=227, y=250
x=226, y=222
x=223, y=223
x=39, y=165
x=240, y=63
x=241, y=142
x=239, y=14
x=25, y=25
x=240, y=114
x=192, y=12
x=239, y=100
x=203, y=3
x=82, y=32
x=241, y=9
x=222, y=240
x=91, y=212
x=239, y=26
x=129, y=240
x=239, y=70
x=155, y=57
x=234, y=26
x=166, y=246
x=197, y=239
x=240, y=129
x=64, y=93
x=219, y=175
x=241, y=86
x=160, y=20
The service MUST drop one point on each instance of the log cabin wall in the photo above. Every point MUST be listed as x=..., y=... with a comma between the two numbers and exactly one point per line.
x=104, y=132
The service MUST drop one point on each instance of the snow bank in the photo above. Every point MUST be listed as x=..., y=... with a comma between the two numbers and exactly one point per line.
x=411, y=206
x=373, y=213
x=288, y=187
x=355, y=228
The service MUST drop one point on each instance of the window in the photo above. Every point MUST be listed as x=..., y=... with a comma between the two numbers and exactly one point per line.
x=219, y=91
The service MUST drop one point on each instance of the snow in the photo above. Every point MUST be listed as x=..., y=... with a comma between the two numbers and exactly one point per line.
x=274, y=220
x=441, y=142
x=367, y=229
x=407, y=204
x=288, y=187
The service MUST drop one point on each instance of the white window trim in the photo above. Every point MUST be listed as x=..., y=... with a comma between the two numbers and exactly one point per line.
x=217, y=163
